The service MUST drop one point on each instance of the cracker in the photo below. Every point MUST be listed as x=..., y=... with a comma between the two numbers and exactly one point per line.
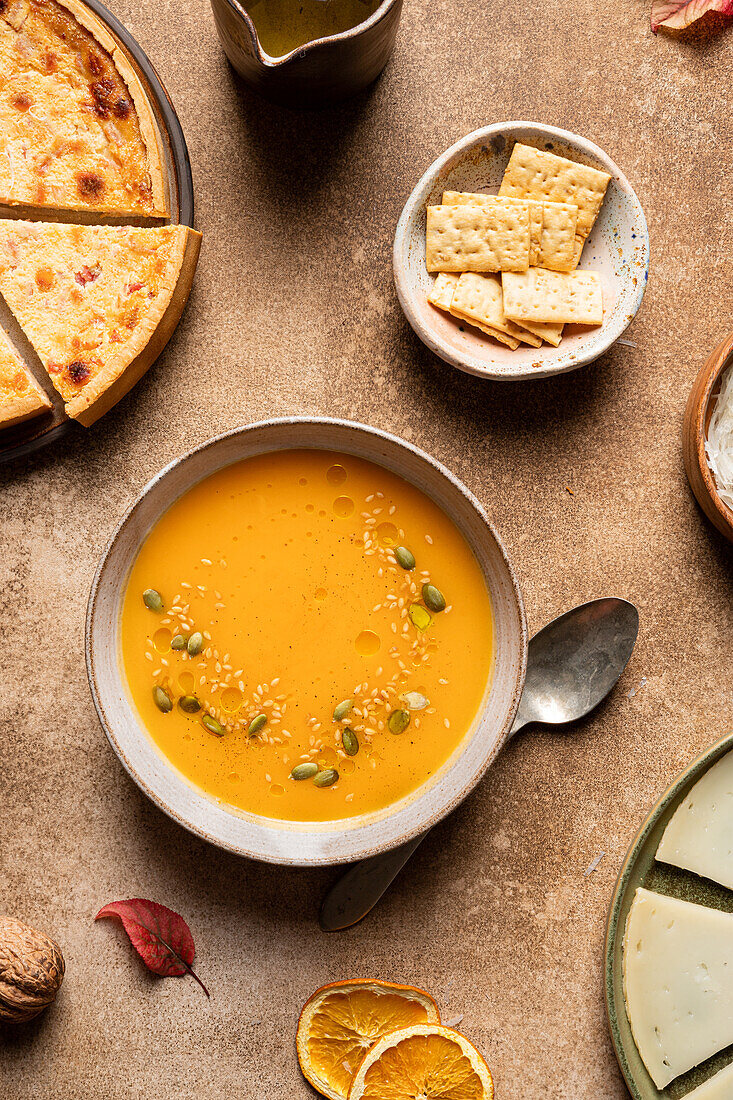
x=535, y=174
x=441, y=296
x=479, y=298
x=477, y=238
x=442, y=289
x=556, y=296
x=557, y=246
x=501, y=337
x=462, y=198
x=551, y=334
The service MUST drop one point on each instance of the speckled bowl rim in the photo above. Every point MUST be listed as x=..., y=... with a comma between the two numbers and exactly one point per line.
x=619, y=906
x=469, y=363
x=347, y=852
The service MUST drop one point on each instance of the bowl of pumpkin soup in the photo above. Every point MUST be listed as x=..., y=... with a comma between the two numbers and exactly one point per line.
x=305, y=641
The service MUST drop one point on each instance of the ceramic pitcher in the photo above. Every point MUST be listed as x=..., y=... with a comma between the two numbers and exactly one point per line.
x=317, y=73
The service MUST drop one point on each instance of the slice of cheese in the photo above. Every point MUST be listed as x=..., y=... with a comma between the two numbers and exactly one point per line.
x=678, y=982
x=699, y=837
x=718, y=1087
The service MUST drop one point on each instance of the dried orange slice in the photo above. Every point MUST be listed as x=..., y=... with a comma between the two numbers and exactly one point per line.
x=342, y=1021
x=423, y=1062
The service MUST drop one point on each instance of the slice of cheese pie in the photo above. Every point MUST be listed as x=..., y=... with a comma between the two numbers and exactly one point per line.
x=20, y=395
x=678, y=982
x=76, y=129
x=90, y=297
x=699, y=837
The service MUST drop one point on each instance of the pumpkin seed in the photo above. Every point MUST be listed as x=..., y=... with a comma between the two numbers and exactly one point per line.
x=433, y=597
x=304, y=771
x=195, y=643
x=342, y=709
x=350, y=742
x=210, y=723
x=398, y=721
x=153, y=599
x=404, y=557
x=179, y=642
x=189, y=704
x=413, y=700
x=326, y=778
x=257, y=724
x=162, y=700
x=419, y=616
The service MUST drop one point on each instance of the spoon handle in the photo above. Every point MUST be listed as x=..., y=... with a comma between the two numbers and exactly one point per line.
x=357, y=892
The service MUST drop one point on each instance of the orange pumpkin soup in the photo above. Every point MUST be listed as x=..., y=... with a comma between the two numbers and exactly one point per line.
x=306, y=636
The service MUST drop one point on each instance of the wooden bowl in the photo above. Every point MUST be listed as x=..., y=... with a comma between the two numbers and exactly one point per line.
x=694, y=433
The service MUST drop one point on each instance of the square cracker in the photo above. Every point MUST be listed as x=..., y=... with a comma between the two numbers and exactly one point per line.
x=441, y=292
x=441, y=295
x=556, y=296
x=463, y=198
x=477, y=238
x=478, y=298
x=535, y=174
x=557, y=245
x=552, y=334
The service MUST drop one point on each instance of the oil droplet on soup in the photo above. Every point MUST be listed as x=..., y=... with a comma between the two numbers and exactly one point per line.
x=309, y=619
x=343, y=506
x=387, y=534
x=162, y=640
x=336, y=474
x=367, y=643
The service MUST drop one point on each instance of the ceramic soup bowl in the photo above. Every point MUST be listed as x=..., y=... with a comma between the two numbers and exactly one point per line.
x=288, y=842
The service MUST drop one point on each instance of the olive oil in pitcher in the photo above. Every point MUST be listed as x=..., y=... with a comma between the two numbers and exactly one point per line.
x=285, y=25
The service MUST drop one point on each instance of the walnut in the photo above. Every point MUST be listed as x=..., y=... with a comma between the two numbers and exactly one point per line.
x=31, y=971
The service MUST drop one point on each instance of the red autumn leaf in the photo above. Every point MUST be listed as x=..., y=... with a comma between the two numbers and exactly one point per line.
x=680, y=13
x=161, y=938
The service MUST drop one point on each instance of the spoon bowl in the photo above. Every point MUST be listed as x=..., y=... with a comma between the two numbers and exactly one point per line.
x=575, y=660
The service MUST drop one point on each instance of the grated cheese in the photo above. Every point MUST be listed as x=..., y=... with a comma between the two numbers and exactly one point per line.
x=719, y=443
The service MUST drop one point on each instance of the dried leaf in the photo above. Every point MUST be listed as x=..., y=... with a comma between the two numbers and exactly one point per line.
x=680, y=13
x=160, y=936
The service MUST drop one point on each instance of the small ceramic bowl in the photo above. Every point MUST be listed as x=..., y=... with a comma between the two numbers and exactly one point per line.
x=617, y=249
x=304, y=843
x=699, y=409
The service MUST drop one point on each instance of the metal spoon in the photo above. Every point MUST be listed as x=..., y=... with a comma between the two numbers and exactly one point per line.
x=572, y=665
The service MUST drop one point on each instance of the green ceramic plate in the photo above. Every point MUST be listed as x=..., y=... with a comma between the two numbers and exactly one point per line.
x=640, y=869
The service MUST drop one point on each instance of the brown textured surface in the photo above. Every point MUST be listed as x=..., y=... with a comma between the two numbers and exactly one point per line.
x=293, y=310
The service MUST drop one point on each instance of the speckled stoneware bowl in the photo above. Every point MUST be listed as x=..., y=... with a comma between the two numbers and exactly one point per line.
x=641, y=869
x=304, y=843
x=617, y=249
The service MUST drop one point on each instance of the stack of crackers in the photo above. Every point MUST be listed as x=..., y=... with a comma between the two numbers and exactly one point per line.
x=507, y=262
